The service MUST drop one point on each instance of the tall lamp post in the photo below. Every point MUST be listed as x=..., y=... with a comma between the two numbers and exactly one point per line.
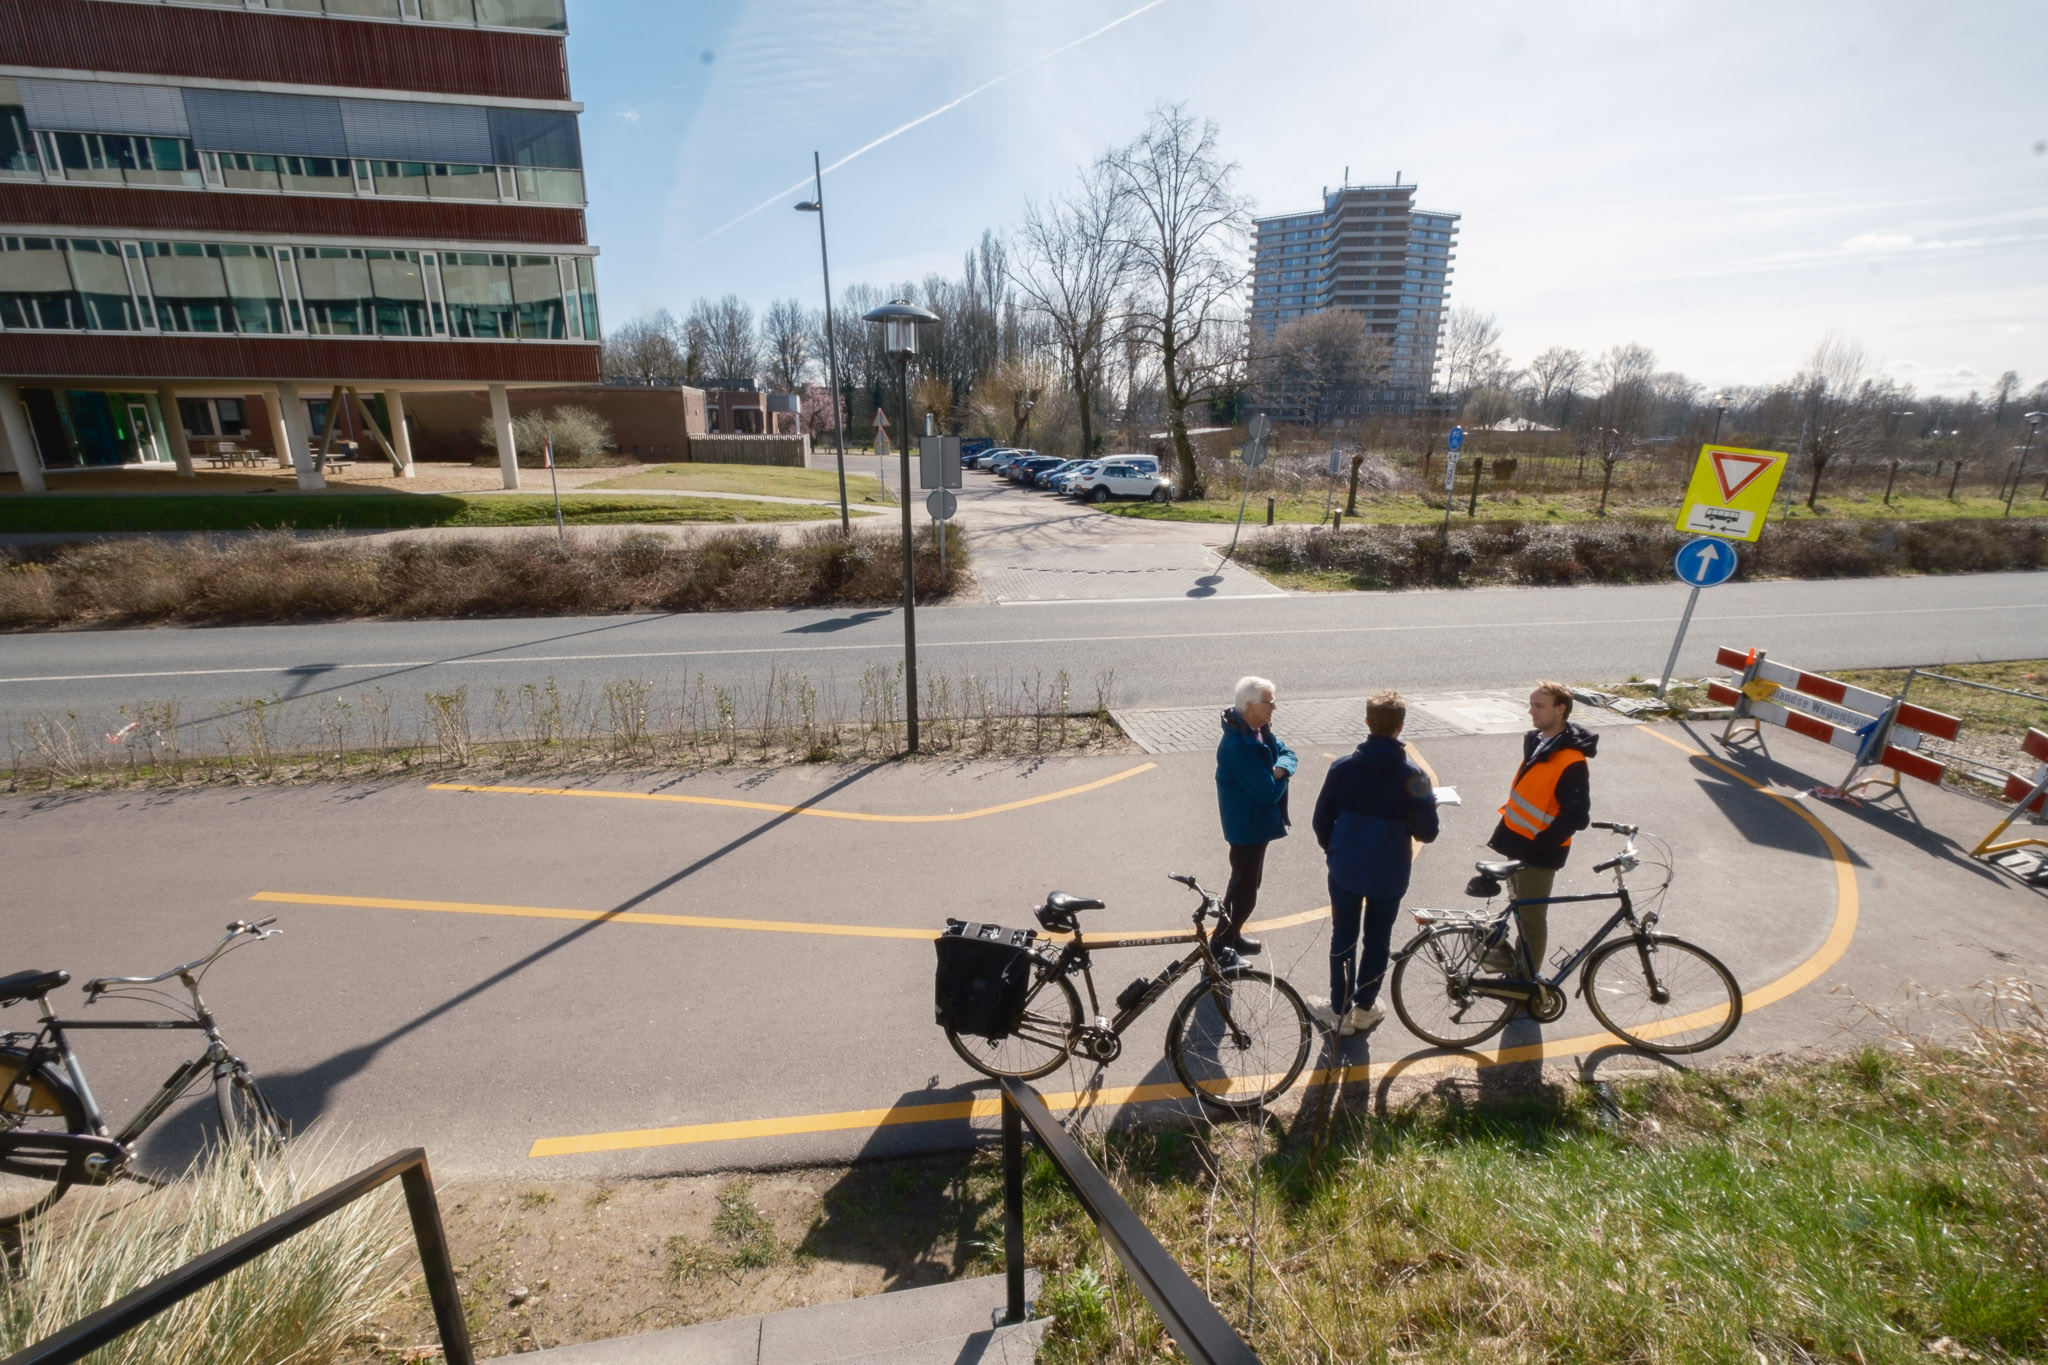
x=1720, y=409
x=817, y=206
x=899, y=320
x=2019, y=471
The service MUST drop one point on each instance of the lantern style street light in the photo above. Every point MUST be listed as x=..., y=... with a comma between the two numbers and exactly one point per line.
x=899, y=320
x=1720, y=408
x=817, y=206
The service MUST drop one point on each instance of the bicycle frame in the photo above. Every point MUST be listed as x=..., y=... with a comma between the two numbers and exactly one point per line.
x=51, y=1044
x=1074, y=957
x=1515, y=986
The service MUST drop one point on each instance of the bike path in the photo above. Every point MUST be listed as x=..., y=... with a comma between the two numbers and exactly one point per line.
x=482, y=1033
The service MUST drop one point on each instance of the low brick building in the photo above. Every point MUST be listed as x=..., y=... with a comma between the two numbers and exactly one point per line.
x=651, y=424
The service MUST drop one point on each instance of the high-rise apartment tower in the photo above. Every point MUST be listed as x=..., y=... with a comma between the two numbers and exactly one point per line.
x=1369, y=251
x=218, y=215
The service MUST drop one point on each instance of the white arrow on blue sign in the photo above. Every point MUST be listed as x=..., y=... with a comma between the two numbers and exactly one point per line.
x=1456, y=440
x=1705, y=563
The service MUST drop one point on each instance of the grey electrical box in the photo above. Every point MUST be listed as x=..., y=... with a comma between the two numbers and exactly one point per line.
x=938, y=462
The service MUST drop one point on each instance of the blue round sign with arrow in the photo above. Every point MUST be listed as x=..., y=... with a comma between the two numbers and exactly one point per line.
x=1456, y=440
x=1705, y=563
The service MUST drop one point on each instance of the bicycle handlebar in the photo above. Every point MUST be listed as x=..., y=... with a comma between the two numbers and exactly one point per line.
x=258, y=930
x=1187, y=879
x=1625, y=831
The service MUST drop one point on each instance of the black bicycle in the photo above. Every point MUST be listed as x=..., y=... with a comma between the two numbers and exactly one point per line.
x=52, y=1134
x=1658, y=992
x=1237, y=1040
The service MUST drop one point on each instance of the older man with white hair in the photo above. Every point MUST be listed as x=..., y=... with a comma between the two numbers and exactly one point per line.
x=1253, y=766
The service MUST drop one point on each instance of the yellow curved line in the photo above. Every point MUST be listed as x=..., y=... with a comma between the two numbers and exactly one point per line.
x=764, y=926
x=1840, y=934
x=811, y=811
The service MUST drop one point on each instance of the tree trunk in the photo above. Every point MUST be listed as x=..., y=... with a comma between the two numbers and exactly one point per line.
x=1813, y=490
x=1351, y=498
x=1176, y=419
x=1606, y=478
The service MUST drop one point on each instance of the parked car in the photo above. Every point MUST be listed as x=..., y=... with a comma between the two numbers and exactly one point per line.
x=1000, y=463
x=987, y=457
x=1065, y=482
x=1122, y=479
x=1044, y=478
x=971, y=446
x=1023, y=471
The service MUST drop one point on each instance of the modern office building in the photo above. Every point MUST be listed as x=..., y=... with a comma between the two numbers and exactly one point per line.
x=1367, y=250
x=217, y=217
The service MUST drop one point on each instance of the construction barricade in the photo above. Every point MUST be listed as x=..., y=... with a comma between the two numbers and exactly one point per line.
x=1875, y=730
x=2028, y=795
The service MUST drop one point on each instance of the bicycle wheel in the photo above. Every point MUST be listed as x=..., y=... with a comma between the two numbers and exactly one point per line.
x=1432, y=988
x=1039, y=1043
x=1238, y=1043
x=245, y=1115
x=33, y=1101
x=1662, y=994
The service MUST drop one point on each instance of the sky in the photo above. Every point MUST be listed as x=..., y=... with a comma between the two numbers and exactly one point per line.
x=1725, y=183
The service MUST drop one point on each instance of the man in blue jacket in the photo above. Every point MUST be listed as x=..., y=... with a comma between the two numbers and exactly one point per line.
x=1374, y=801
x=1252, y=768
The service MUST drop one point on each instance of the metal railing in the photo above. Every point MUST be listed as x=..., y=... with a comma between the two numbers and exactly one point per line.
x=1196, y=1327
x=408, y=1167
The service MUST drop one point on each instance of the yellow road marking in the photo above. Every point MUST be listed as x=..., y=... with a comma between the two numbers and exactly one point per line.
x=763, y=926
x=813, y=812
x=1830, y=952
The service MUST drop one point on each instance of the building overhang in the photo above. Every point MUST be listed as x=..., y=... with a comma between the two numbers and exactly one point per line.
x=99, y=360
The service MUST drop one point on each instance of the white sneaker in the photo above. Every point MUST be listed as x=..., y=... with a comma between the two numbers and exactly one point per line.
x=1359, y=1019
x=1320, y=1011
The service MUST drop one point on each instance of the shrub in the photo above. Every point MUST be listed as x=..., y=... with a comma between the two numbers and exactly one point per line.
x=581, y=437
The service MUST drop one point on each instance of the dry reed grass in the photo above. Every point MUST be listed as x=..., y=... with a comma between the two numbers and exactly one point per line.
x=278, y=577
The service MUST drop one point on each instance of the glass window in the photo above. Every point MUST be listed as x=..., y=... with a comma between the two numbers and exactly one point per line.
x=547, y=14
x=248, y=171
x=252, y=284
x=375, y=9
x=401, y=293
x=335, y=281
x=399, y=177
x=315, y=174
x=478, y=286
x=190, y=288
x=102, y=284
x=586, y=281
x=456, y=181
x=17, y=144
x=35, y=286
x=233, y=419
x=83, y=158
x=543, y=185
x=448, y=11
x=537, y=290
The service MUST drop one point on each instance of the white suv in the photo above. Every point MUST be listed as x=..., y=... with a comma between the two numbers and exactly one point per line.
x=1115, y=478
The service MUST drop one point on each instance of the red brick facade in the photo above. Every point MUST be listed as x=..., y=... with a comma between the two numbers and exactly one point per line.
x=316, y=360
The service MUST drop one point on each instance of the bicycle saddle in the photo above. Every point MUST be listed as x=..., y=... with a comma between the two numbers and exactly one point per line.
x=1499, y=870
x=1064, y=904
x=28, y=985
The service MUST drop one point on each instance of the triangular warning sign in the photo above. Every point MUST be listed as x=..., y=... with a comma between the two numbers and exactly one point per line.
x=1736, y=472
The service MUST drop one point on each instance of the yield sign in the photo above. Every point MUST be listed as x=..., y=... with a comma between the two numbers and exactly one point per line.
x=1735, y=470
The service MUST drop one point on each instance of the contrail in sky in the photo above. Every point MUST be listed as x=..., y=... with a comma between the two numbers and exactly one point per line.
x=893, y=133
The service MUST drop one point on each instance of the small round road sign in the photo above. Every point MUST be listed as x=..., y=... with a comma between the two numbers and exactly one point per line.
x=942, y=504
x=1456, y=440
x=1704, y=563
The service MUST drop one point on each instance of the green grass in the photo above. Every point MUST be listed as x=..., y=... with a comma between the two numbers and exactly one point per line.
x=371, y=511
x=1981, y=712
x=1408, y=510
x=768, y=480
x=1851, y=1210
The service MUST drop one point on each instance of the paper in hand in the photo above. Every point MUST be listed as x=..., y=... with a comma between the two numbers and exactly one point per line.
x=1446, y=796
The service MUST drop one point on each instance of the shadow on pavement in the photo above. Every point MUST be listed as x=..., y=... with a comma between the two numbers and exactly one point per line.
x=838, y=623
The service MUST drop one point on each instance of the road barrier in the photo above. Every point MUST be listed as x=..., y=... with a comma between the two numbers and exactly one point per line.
x=2029, y=797
x=1876, y=730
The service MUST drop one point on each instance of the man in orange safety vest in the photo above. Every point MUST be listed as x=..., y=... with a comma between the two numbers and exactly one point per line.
x=1549, y=801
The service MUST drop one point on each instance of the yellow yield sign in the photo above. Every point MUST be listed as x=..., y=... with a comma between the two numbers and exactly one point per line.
x=1731, y=491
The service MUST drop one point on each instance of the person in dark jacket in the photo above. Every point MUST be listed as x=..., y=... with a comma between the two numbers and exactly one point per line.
x=1550, y=800
x=1374, y=801
x=1253, y=766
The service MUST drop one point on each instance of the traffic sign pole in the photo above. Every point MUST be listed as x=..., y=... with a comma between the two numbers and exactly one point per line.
x=1672, y=662
x=1454, y=443
x=1252, y=455
x=1703, y=563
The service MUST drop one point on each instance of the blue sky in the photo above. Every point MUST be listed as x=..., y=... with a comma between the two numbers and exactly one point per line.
x=1721, y=182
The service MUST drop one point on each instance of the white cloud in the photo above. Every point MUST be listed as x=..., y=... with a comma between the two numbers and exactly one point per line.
x=630, y=115
x=1879, y=241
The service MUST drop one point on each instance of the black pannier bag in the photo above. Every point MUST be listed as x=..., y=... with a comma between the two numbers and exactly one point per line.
x=984, y=974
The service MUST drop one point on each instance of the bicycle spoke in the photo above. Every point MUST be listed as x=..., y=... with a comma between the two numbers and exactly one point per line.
x=1663, y=994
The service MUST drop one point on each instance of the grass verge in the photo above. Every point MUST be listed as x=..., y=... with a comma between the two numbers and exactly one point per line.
x=91, y=512
x=769, y=480
x=1404, y=509
x=282, y=578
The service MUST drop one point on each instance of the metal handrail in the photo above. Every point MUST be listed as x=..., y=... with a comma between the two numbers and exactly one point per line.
x=409, y=1167
x=1201, y=1332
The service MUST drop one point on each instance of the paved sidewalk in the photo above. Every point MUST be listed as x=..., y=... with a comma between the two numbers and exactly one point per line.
x=941, y=1324
x=1341, y=720
x=1111, y=573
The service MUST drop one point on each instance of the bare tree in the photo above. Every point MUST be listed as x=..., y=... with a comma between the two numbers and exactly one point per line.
x=1073, y=259
x=1618, y=415
x=786, y=333
x=1471, y=354
x=2001, y=394
x=1830, y=388
x=643, y=351
x=1186, y=230
x=1313, y=361
x=725, y=332
x=1554, y=381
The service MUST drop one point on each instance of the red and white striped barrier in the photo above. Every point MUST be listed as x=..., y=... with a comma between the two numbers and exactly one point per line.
x=2029, y=796
x=1874, y=728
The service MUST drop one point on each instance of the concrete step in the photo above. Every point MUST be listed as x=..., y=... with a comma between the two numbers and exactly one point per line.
x=941, y=1324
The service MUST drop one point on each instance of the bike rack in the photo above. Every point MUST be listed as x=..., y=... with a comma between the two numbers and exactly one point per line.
x=1201, y=1332
x=408, y=1167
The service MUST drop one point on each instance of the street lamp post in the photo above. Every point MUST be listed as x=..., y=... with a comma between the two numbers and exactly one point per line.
x=2020, y=470
x=1720, y=408
x=899, y=320
x=817, y=206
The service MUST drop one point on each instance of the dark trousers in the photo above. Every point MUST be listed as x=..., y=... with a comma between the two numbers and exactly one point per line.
x=1356, y=968
x=1241, y=897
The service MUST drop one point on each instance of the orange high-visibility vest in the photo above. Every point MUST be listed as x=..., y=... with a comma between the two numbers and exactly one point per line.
x=1532, y=804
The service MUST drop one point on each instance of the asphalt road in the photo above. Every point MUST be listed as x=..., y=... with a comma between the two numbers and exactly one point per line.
x=1160, y=653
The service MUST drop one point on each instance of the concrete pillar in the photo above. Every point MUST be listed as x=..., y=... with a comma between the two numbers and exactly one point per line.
x=174, y=430
x=501, y=422
x=21, y=443
x=290, y=414
x=280, y=434
x=400, y=438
